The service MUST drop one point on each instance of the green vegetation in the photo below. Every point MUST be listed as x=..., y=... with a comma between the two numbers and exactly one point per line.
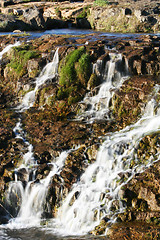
x=19, y=58
x=68, y=73
x=84, y=68
x=58, y=12
x=85, y=12
x=75, y=71
x=101, y=3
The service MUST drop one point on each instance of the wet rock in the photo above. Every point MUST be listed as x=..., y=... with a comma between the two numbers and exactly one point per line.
x=33, y=68
x=22, y=175
x=43, y=170
x=131, y=94
x=93, y=82
x=83, y=23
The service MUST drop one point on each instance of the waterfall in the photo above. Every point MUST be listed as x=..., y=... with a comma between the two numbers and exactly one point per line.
x=8, y=47
x=113, y=76
x=99, y=186
x=29, y=195
x=32, y=197
x=49, y=72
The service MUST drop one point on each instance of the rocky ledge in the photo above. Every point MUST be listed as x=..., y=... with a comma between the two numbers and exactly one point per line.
x=51, y=121
x=110, y=16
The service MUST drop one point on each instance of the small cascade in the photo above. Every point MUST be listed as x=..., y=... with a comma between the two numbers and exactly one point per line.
x=8, y=47
x=32, y=197
x=98, y=189
x=49, y=72
x=27, y=192
x=28, y=158
x=96, y=193
x=113, y=75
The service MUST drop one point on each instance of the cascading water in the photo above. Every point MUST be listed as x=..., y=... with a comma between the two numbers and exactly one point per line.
x=8, y=47
x=99, y=186
x=33, y=197
x=49, y=72
x=114, y=74
x=30, y=197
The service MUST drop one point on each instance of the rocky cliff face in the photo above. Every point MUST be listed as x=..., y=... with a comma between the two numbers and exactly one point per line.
x=50, y=122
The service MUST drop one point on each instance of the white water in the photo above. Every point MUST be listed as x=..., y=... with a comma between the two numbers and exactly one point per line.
x=99, y=186
x=112, y=79
x=33, y=195
x=8, y=47
x=49, y=72
x=28, y=159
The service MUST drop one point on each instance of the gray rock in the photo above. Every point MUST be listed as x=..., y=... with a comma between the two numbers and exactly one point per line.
x=34, y=18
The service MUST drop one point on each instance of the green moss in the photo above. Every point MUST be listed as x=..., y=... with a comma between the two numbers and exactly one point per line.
x=85, y=12
x=73, y=99
x=101, y=3
x=68, y=73
x=75, y=71
x=84, y=68
x=93, y=81
x=19, y=58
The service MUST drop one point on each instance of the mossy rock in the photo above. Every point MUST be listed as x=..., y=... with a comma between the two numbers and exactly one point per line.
x=19, y=57
x=74, y=71
x=68, y=73
x=93, y=82
x=130, y=99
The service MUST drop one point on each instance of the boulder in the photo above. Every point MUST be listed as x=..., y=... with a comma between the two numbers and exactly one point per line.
x=34, y=17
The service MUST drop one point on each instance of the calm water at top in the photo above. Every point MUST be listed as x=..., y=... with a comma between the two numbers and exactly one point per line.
x=72, y=31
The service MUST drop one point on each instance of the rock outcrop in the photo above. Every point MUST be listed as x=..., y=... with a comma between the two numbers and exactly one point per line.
x=50, y=123
x=111, y=16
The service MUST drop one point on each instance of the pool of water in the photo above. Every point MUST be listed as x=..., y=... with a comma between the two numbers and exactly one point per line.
x=40, y=234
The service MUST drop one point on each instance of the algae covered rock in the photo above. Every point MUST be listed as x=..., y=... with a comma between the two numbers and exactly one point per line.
x=129, y=101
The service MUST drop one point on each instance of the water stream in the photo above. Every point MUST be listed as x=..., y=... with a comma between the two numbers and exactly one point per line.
x=8, y=47
x=98, y=188
x=113, y=75
x=49, y=72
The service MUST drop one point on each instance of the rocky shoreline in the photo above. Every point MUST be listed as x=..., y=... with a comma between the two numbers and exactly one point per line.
x=112, y=16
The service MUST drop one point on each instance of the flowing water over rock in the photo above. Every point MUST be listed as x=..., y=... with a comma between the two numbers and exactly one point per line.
x=98, y=189
x=7, y=48
x=48, y=73
x=97, y=193
x=114, y=74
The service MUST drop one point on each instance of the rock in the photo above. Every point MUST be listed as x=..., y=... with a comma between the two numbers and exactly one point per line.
x=22, y=175
x=83, y=23
x=33, y=68
x=18, y=12
x=34, y=18
x=132, y=89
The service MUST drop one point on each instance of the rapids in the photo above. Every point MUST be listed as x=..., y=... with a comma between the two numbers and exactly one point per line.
x=99, y=186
